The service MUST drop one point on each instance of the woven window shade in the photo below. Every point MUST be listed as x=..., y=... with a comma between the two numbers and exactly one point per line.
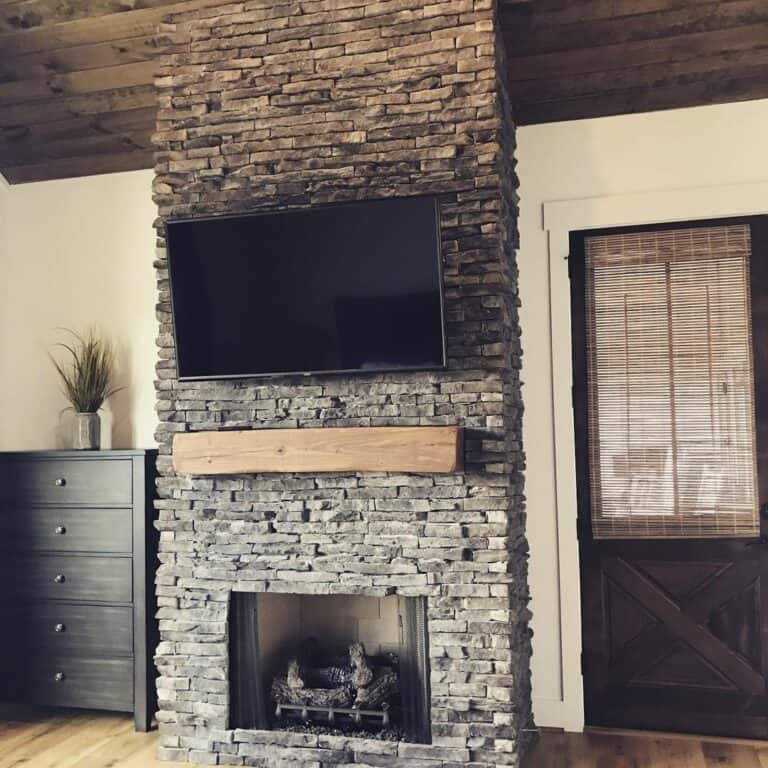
x=671, y=414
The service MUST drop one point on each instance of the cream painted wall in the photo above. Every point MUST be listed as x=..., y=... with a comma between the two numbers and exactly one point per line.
x=691, y=149
x=5, y=372
x=75, y=253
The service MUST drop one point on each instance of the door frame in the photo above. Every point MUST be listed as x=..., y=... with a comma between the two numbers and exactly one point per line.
x=559, y=219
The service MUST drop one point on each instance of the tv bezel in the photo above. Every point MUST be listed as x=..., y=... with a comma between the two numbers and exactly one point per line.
x=169, y=223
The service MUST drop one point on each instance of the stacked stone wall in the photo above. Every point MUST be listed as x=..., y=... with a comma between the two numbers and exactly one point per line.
x=268, y=105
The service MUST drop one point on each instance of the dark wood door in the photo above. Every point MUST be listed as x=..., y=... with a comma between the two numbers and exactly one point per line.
x=675, y=631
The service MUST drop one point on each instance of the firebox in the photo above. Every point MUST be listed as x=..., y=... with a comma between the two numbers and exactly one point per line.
x=353, y=664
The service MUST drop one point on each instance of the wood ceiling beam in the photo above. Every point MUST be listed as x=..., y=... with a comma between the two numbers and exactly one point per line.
x=91, y=146
x=84, y=165
x=527, y=34
x=18, y=138
x=91, y=31
x=18, y=15
x=86, y=147
x=652, y=76
x=639, y=53
x=716, y=88
x=79, y=58
x=62, y=108
x=76, y=33
x=77, y=83
x=553, y=13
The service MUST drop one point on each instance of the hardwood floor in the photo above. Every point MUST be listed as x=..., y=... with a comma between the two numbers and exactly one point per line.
x=94, y=740
x=605, y=749
x=87, y=740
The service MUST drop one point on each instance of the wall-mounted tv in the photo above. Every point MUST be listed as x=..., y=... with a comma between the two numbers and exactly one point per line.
x=337, y=288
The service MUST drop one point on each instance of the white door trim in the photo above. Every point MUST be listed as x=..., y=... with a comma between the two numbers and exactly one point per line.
x=560, y=218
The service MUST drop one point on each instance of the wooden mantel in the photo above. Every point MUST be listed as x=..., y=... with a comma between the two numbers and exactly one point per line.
x=332, y=449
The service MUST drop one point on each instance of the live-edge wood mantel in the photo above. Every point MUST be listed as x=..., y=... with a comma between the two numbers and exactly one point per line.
x=331, y=449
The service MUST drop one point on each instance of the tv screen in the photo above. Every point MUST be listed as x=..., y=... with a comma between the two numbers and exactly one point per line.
x=349, y=287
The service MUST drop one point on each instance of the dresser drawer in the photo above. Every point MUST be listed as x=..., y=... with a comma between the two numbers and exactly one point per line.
x=66, y=529
x=82, y=630
x=63, y=681
x=68, y=577
x=69, y=481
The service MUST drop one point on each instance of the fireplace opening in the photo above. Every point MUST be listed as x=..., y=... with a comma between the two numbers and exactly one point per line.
x=348, y=664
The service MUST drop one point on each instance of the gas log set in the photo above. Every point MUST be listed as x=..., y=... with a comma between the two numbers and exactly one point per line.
x=348, y=692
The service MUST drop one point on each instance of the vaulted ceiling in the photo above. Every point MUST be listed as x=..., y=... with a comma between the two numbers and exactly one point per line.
x=76, y=94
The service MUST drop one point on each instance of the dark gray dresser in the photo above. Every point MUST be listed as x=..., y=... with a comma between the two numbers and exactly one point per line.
x=78, y=554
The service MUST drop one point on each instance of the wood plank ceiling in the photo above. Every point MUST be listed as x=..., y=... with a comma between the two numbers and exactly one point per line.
x=571, y=59
x=76, y=93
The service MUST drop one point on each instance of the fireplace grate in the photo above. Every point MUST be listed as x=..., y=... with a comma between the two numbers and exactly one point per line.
x=331, y=715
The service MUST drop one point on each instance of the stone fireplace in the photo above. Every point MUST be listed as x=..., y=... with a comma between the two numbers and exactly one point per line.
x=292, y=103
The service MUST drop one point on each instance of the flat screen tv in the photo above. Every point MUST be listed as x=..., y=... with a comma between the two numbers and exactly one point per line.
x=337, y=288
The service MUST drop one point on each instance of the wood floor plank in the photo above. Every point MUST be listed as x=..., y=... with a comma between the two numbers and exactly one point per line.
x=672, y=753
x=64, y=746
x=605, y=749
x=730, y=756
x=98, y=740
x=77, y=740
x=25, y=740
x=16, y=734
x=754, y=743
x=134, y=749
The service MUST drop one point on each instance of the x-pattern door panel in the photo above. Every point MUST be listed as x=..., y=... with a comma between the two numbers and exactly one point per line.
x=685, y=621
x=674, y=635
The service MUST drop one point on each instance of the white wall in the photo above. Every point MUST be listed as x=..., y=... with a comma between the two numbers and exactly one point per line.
x=685, y=150
x=76, y=253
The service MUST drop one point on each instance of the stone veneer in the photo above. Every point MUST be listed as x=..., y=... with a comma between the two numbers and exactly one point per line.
x=279, y=103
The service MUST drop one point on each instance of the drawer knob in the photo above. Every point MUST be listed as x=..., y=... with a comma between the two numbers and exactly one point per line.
x=59, y=578
x=61, y=482
x=60, y=530
x=59, y=677
x=60, y=628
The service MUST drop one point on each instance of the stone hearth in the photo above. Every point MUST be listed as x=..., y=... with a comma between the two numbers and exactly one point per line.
x=286, y=103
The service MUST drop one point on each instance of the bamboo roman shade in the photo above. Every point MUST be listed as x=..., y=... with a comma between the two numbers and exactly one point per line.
x=671, y=415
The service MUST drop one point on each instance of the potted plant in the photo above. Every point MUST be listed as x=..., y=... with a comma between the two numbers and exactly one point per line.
x=87, y=380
